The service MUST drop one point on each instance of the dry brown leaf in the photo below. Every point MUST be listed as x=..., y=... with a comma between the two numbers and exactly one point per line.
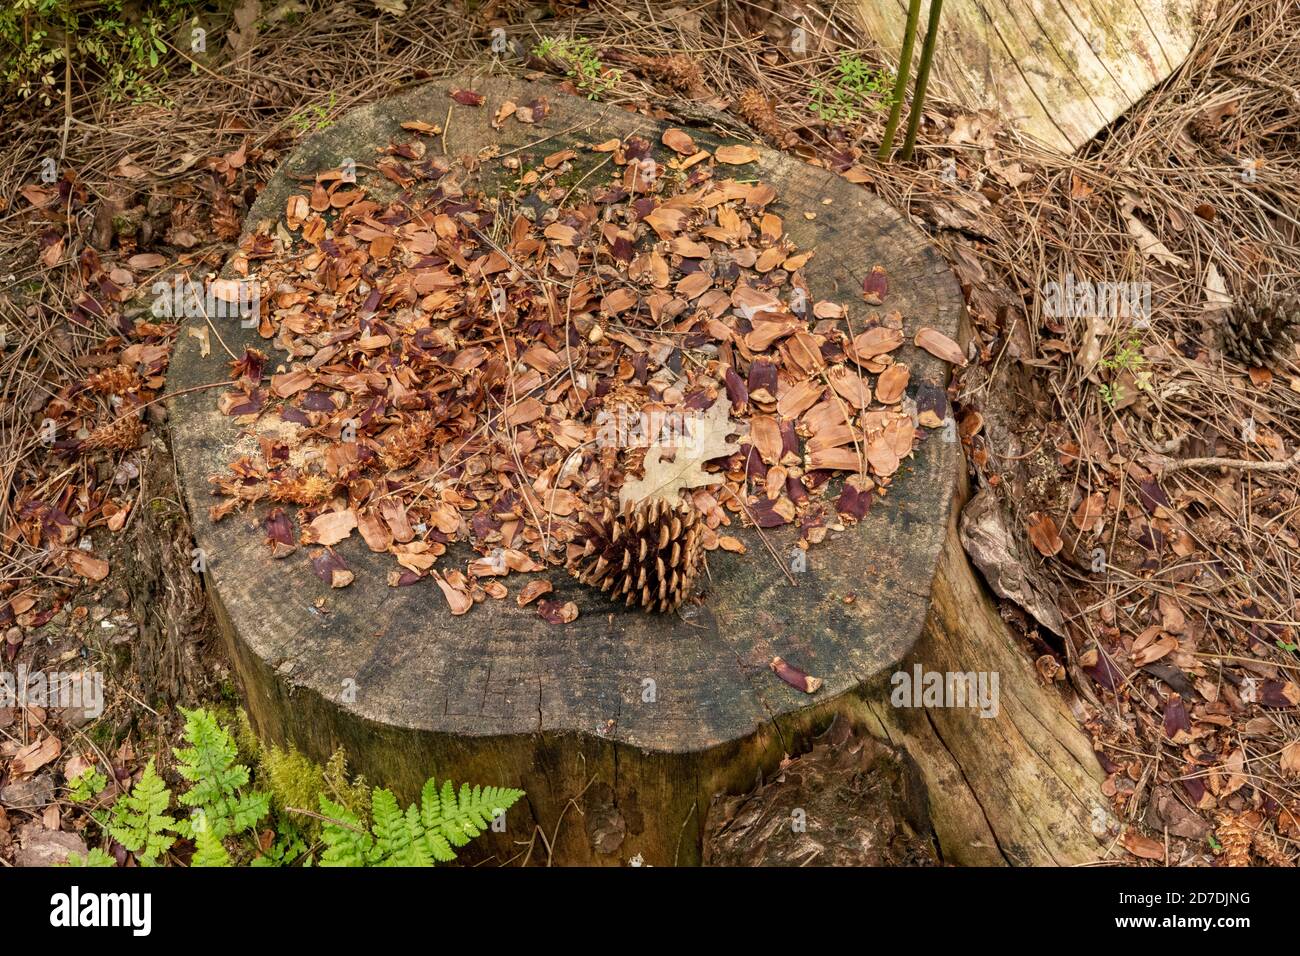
x=707, y=441
x=1148, y=242
x=1153, y=648
x=1290, y=762
x=36, y=755
x=330, y=528
x=1090, y=510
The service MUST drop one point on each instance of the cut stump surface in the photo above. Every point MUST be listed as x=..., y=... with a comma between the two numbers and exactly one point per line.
x=635, y=719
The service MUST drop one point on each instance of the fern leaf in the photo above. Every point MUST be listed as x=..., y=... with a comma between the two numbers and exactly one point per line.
x=430, y=817
x=287, y=849
x=139, y=820
x=248, y=808
x=422, y=834
x=209, y=764
x=399, y=837
x=346, y=843
x=96, y=857
x=460, y=818
x=209, y=850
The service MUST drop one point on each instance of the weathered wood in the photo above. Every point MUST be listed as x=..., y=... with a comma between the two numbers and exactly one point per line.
x=612, y=772
x=1057, y=70
x=1020, y=787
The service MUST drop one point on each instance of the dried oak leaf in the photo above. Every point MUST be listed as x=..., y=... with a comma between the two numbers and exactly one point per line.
x=707, y=441
x=330, y=528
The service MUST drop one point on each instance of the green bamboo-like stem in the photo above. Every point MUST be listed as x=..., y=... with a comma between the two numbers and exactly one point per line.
x=922, y=77
x=900, y=81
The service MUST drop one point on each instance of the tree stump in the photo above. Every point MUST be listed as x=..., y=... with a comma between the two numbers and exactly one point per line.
x=622, y=726
x=1058, y=72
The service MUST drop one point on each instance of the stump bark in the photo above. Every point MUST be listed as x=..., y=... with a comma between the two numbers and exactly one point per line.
x=1058, y=72
x=623, y=726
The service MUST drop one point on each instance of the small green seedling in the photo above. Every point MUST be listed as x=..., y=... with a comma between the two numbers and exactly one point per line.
x=315, y=117
x=581, y=63
x=856, y=84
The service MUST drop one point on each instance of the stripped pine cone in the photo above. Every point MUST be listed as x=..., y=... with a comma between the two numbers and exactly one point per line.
x=679, y=71
x=757, y=110
x=647, y=554
x=1262, y=330
x=1204, y=128
x=121, y=434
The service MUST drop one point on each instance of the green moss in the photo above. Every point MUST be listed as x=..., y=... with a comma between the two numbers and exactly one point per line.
x=101, y=733
x=250, y=748
x=297, y=781
x=294, y=780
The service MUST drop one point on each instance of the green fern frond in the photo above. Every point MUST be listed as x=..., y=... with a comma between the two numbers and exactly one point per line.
x=139, y=820
x=399, y=837
x=460, y=819
x=209, y=850
x=216, y=779
x=361, y=826
x=96, y=858
x=346, y=843
x=421, y=835
x=287, y=849
x=86, y=784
